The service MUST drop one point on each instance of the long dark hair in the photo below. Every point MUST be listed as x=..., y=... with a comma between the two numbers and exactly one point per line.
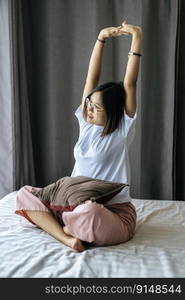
x=113, y=100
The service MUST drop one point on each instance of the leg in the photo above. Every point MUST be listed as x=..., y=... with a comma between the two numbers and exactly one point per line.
x=47, y=222
x=94, y=223
x=30, y=207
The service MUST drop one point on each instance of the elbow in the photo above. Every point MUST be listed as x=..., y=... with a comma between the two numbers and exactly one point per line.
x=130, y=84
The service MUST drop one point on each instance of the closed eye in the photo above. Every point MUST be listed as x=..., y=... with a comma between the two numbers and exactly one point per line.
x=98, y=107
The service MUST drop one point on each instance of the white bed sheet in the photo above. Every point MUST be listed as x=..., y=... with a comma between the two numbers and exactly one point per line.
x=157, y=249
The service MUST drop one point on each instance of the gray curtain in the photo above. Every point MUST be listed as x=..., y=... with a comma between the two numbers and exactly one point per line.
x=23, y=156
x=179, y=110
x=6, y=146
x=50, y=49
x=157, y=98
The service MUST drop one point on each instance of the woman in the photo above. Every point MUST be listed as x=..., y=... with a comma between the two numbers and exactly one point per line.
x=106, y=117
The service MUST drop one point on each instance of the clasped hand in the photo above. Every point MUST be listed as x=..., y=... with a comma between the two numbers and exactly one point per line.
x=124, y=29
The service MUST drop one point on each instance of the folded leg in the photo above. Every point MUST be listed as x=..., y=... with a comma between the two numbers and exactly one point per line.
x=97, y=224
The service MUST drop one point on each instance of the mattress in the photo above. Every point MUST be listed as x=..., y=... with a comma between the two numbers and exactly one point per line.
x=156, y=250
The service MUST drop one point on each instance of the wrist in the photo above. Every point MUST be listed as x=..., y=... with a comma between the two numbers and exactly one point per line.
x=100, y=40
x=137, y=31
x=102, y=37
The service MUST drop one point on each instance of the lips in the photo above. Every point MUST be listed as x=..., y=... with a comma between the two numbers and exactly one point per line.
x=90, y=117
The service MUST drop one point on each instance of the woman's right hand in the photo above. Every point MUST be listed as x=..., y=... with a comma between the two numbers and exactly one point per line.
x=111, y=32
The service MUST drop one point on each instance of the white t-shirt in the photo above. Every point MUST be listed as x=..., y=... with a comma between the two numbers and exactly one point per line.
x=105, y=157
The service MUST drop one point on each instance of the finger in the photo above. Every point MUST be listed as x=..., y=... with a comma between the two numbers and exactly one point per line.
x=125, y=33
x=122, y=30
x=122, y=33
x=124, y=25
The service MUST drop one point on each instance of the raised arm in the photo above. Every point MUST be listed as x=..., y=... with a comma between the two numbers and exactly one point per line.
x=94, y=69
x=95, y=64
x=132, y=69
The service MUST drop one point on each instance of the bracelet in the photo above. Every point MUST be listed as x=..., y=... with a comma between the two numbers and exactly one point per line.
x=101, y=40
x=134, y=53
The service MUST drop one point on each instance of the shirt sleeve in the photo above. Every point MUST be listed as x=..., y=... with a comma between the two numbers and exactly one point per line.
x=129, y=123
x=79, y=114
x=81, y=120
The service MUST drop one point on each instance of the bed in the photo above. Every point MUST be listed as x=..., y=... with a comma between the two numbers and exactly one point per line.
x=157, y=249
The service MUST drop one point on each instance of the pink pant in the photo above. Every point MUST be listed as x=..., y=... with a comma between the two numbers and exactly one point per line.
x=90, y=222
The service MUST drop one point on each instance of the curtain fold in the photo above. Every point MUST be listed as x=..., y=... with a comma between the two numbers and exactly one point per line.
x=6, y=145
x=23, y=167
x=179, y=110
x=159, y=21
x=50, y=47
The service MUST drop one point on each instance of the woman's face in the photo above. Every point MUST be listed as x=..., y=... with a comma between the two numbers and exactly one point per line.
x=95, y=110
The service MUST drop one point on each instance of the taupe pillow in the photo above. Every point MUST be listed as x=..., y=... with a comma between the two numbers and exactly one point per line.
x=68, y=192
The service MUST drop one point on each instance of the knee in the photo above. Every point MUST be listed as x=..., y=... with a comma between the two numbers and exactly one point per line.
x=94, y=213
x=95, y=209
x=22, y=190
x=83, y=220
x=94, y=205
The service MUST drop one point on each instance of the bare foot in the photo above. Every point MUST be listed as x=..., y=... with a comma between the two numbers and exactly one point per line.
x=74, y=243
x=66, y=230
